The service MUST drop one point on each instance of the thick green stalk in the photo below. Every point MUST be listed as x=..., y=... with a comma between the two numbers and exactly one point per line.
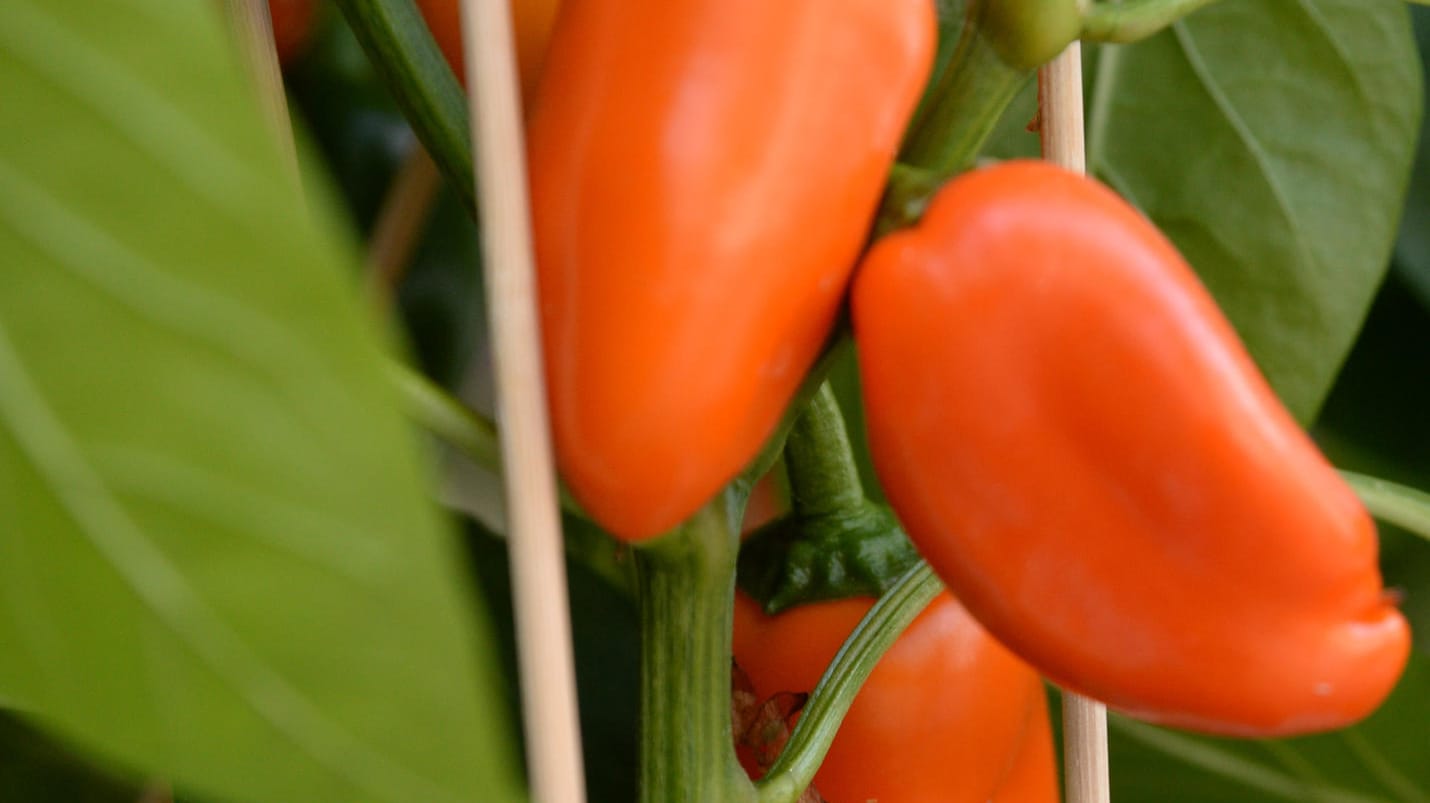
x=402, y=50
x=1405, y=507
x=824, y=479
x=971, y=95
x=687, y=593
x=825, y=710
x=1134, y=20
x=450, y=420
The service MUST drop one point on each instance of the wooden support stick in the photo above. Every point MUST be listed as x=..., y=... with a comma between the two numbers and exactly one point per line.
x=1061, y=126
x=1060, y=110
x=543, y=626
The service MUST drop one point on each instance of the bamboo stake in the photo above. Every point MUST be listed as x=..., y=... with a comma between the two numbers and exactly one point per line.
x=253, y=29
x=534, y=532
x=1061, y=126
x=404, y=214
x=1060, y=110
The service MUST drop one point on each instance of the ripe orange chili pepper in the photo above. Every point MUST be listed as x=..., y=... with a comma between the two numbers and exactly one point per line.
x=1034, y=775
x=947, y=715
x=1074, y=437
x=531, y=20
x=703, y=175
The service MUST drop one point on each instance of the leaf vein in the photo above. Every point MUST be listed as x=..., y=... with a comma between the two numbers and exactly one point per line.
x=1199, y=66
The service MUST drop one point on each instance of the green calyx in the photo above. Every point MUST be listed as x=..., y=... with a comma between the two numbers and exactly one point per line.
x=1029, y=33
x=835, y=543
x=859, y=552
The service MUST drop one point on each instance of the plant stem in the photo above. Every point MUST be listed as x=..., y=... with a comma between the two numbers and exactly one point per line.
x=687, y=592
x=447, y=418
x=971, y=95
x=823, y=476
x=1400, y=505
x=402, y=50
x=1134, y=20
x=830, y=701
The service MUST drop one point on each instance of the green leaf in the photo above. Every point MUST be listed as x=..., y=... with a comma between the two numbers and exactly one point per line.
x=1412, y=251
x=1272, y=140
x=1379, y=761
x=218, y=563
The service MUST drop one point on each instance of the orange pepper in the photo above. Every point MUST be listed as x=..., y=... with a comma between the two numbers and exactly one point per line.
x=1034, y=775
x=703, y=176
x=1074, y=437
x=947, y=715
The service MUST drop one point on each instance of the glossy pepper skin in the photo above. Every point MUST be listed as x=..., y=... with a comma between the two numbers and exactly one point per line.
x=531, y=20
x=703, y=175
x=947, y=716
x=1074, y=437
x=1033, y=777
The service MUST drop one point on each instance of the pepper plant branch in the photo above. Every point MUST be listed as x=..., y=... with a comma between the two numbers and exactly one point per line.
x=1402, y=506
x=1134, y=20
x=963, y=107
x=445, y=417
x=402, y=50
x=687, y=591
x=824, y=478
x=831, y=699
x=475, y=437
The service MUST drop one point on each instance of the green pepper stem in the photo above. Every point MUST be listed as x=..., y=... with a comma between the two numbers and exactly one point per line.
x=407, y=59
x=445, y=417
x=687, y=594
x=831, y=699
x=462, y=428
x=1134, y=20
x=971, y=95
x=963, y=107
x=823, y=477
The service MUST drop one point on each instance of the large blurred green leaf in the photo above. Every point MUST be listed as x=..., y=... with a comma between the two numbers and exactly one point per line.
x=1382, y=759
x=1272, y=140
x=364, y=138
x=217, y=560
